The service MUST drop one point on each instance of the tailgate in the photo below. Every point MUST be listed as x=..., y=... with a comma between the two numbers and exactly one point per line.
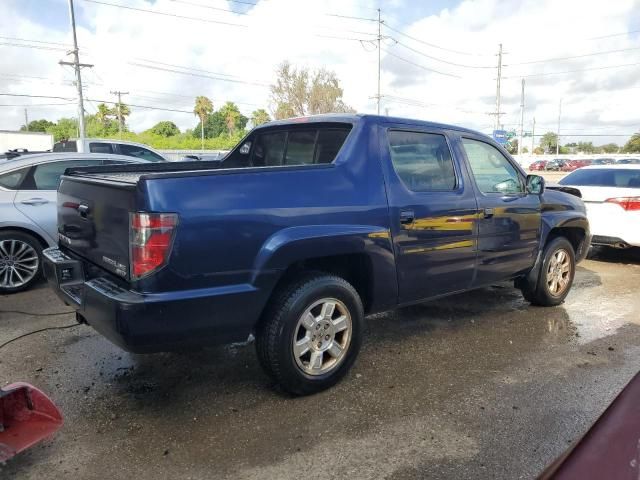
x=93, y=221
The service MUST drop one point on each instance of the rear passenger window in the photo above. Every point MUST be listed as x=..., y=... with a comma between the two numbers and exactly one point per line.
x=300, y=147
x=295, y=146
x=12, y=180
x=422, y=161
x=47, y=175
x=95, y=147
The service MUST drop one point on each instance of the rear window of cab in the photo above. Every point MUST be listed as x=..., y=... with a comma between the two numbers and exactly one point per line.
x=310, y=144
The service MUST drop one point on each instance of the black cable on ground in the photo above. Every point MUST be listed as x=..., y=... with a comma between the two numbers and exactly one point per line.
x=37, y=331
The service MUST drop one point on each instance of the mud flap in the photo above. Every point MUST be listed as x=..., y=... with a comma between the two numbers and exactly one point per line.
x=27, y=416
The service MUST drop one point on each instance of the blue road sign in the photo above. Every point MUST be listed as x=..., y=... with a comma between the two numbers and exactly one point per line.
x=500, y=136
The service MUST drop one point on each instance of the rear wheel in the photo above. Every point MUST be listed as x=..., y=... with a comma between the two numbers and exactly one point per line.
x=555, y=277
x=20, y=261
x=311, y=334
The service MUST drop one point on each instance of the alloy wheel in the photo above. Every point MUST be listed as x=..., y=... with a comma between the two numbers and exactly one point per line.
x=18, y=263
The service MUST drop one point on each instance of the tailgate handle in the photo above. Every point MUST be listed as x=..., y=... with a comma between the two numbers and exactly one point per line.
x=34, y=201
x=488, y=212
x=83, y=209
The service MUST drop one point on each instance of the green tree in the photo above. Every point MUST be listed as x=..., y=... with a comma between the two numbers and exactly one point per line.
x=260, y=116
x=299, y=92
x=37, y=126
x=65, y=129
x=234, y=120
x=202, y=109
x=512, y=146
x=165, y=129
x=96, y=126
x=585, y=147
x=121, y=112
x=633, y=145
x=549, y=142
x=610, y=148
x=104, y=115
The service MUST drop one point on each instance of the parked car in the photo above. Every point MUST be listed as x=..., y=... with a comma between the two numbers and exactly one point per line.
x=538, y=165
x=571, y=165
x=611, y=194
x=117, y=147
x=603, y=161
x=555, y=165
x=309, y=225
x=28, y=211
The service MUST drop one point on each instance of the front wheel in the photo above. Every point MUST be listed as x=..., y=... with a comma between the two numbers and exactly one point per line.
x=311, y=334
x=555, y=276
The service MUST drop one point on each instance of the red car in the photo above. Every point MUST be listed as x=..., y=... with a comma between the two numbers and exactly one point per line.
x=538, y=165
x=572, y=165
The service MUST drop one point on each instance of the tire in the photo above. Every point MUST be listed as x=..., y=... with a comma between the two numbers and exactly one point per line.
x=558, y=255
x=20, y=261
x=328, y=340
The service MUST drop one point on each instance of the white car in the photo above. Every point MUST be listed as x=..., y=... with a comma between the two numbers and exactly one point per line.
x=28, y=210
x=611, y=194
x=117, y=147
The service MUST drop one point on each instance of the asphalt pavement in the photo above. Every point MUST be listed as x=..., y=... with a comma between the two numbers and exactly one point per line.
x=478, y=385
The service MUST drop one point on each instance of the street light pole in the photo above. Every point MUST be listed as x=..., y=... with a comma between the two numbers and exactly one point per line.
x=521, y=119
x=558, y=134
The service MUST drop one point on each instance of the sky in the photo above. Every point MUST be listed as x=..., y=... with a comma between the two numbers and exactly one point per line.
x=438, y=59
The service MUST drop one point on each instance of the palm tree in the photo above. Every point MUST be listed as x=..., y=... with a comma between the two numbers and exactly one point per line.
x=121, y=111
x=103, y=115
x=202, y=109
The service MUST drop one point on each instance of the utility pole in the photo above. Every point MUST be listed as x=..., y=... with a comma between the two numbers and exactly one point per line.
x=498, y=88
x=26, y=120
x=118, y=105
x=533, y=135
x=379, y=56
x=558, y=134
x=77, y=66
x=521, y=119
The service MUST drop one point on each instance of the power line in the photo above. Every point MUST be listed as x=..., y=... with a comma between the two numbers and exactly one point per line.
x=439, y=59
x=573, y=71
x=36, y=41
x=433, y=45
x=29, y=105
x=185, y=68
x=198, y=75
x=420, y=66
x=573, y=56
x=614, y=35
x=155, y=12
x=210, y=7
x=36, y=47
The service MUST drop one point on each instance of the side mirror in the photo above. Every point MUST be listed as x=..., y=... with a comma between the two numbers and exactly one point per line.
x=535, y=184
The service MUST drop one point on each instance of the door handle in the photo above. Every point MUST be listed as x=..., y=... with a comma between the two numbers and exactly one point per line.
x=488, y=212
x=406, y=217
x=35, y=201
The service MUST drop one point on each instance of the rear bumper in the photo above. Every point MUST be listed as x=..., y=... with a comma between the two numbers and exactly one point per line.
x=154, y=322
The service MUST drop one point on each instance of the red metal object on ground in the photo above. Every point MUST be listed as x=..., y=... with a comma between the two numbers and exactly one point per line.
x=611, y=448
x=27, y=416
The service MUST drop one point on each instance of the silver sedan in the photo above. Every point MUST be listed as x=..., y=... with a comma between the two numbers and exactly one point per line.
x=28, y=217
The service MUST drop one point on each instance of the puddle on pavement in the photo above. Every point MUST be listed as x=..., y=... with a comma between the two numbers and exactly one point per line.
x=601, y=316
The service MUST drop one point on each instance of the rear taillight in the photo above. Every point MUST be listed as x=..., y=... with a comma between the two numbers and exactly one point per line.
x=151, y=238
x=628, y=203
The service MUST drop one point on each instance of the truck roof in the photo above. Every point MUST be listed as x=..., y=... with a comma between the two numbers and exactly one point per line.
x=357, y=117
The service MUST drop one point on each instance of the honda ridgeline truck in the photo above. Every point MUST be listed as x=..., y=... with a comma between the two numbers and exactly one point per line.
x=304, y=228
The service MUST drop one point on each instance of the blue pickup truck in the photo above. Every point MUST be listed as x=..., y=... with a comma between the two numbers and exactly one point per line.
x=304, y=228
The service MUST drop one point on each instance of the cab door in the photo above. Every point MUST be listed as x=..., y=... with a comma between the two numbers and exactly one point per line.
x=509, y=221
x=433, y=211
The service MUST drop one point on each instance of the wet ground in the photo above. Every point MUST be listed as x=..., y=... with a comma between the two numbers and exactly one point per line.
x=480, y=385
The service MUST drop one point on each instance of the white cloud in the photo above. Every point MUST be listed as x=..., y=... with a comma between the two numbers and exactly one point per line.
x=276, y=30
